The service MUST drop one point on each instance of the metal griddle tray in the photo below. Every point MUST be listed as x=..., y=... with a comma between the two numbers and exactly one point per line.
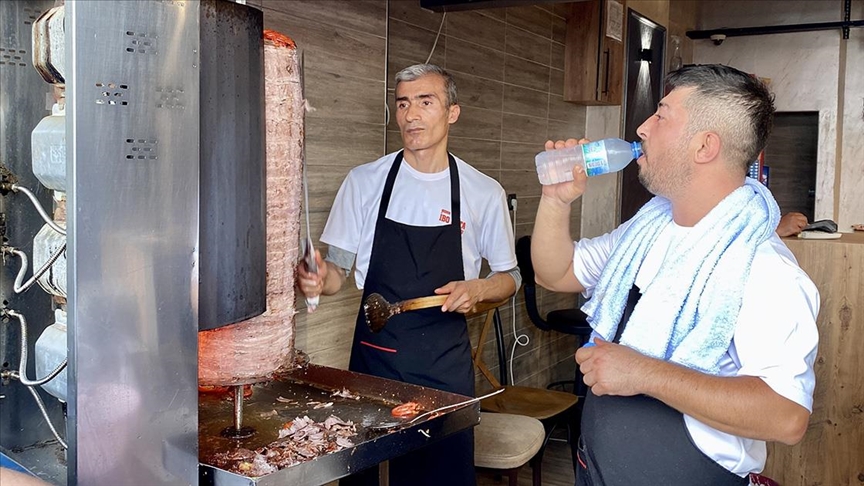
x=374, y=442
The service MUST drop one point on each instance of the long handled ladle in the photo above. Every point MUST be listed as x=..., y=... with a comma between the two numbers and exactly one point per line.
x=378, y=310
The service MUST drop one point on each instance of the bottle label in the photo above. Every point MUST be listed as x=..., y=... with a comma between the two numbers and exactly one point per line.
x=594, y=154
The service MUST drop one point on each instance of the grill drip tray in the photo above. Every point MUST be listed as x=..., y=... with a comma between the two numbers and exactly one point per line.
x=289, y=396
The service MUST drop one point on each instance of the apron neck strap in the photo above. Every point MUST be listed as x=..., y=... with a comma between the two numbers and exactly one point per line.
x=455, y=206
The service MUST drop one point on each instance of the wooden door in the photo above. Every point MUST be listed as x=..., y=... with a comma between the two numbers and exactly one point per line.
x=791, y=160
x=644, y=77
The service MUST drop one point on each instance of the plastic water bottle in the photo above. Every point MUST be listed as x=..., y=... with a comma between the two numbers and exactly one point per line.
x=600, y=157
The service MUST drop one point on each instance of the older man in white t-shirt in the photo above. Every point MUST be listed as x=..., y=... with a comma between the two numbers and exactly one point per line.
x=419, y=222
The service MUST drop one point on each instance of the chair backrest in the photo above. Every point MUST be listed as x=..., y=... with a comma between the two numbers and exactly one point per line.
x=538, y=403
x=491, y=311
x=529, y=286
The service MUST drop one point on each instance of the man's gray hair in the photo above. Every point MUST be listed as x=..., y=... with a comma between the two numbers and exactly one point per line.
x=412, y=73
x=734, y=104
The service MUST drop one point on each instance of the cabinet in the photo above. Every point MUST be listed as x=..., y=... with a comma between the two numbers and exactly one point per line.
x=594, y=58
x=832, y=451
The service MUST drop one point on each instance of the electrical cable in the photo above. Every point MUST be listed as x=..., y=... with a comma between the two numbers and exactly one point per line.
x=434, y=45
x=386, y=74
x=520, y=339
x=50, y=222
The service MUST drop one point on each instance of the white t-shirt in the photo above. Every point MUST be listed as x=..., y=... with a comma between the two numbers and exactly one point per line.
x=775, y=337
x=421, y=199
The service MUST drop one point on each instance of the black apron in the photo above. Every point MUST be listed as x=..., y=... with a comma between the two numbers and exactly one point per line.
x=425, y=347
x=639, y=440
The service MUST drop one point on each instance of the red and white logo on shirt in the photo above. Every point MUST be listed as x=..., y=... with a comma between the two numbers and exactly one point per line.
x=445, y=218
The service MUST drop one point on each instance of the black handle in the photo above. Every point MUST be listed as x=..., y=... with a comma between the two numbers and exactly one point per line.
x=606, y=73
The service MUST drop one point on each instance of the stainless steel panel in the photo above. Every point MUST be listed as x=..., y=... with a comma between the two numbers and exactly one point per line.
x=233, y=211
x=133, y=227
x=23, y=103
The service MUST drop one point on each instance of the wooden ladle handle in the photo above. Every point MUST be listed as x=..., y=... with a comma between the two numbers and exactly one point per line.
x=423, y=302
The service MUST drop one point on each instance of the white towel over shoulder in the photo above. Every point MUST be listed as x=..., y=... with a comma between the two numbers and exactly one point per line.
x=688, y=313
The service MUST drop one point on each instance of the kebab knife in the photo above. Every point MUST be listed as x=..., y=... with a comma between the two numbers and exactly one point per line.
x=309, y=252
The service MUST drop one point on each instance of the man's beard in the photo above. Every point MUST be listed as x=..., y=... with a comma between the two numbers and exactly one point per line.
x=670, y=178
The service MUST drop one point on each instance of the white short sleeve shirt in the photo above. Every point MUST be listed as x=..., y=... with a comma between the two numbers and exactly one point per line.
x=422, y=199
x=775, y=337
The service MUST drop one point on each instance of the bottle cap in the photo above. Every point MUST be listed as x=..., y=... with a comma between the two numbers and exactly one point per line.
x=636, y=148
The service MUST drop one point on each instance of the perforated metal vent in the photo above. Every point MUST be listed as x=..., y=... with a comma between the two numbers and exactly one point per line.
x=30, y=14
x=112, y=94
x=13, y=57
x=141, y=148
x=141, y=43
x=171, y=98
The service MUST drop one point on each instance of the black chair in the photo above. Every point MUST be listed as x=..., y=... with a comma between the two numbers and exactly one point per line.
x=568, y=321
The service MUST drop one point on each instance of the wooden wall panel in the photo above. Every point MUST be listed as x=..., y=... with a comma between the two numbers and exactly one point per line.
x=506, y=63
x=345, y=81
x=656, y=10
x=682, y=17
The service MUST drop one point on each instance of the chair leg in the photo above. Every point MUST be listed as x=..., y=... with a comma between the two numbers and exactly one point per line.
x=513, y=476
x=574, y=430
x=535, y=470
x=574, y=456
x=548, y=427
x=580, y=389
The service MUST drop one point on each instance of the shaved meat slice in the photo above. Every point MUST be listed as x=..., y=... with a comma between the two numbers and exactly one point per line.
x=407, y=409
x=345, y=393
x=300, y=440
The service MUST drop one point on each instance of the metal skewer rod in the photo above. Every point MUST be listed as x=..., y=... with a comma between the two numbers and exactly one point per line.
x=237, y=431
x=238, y=407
